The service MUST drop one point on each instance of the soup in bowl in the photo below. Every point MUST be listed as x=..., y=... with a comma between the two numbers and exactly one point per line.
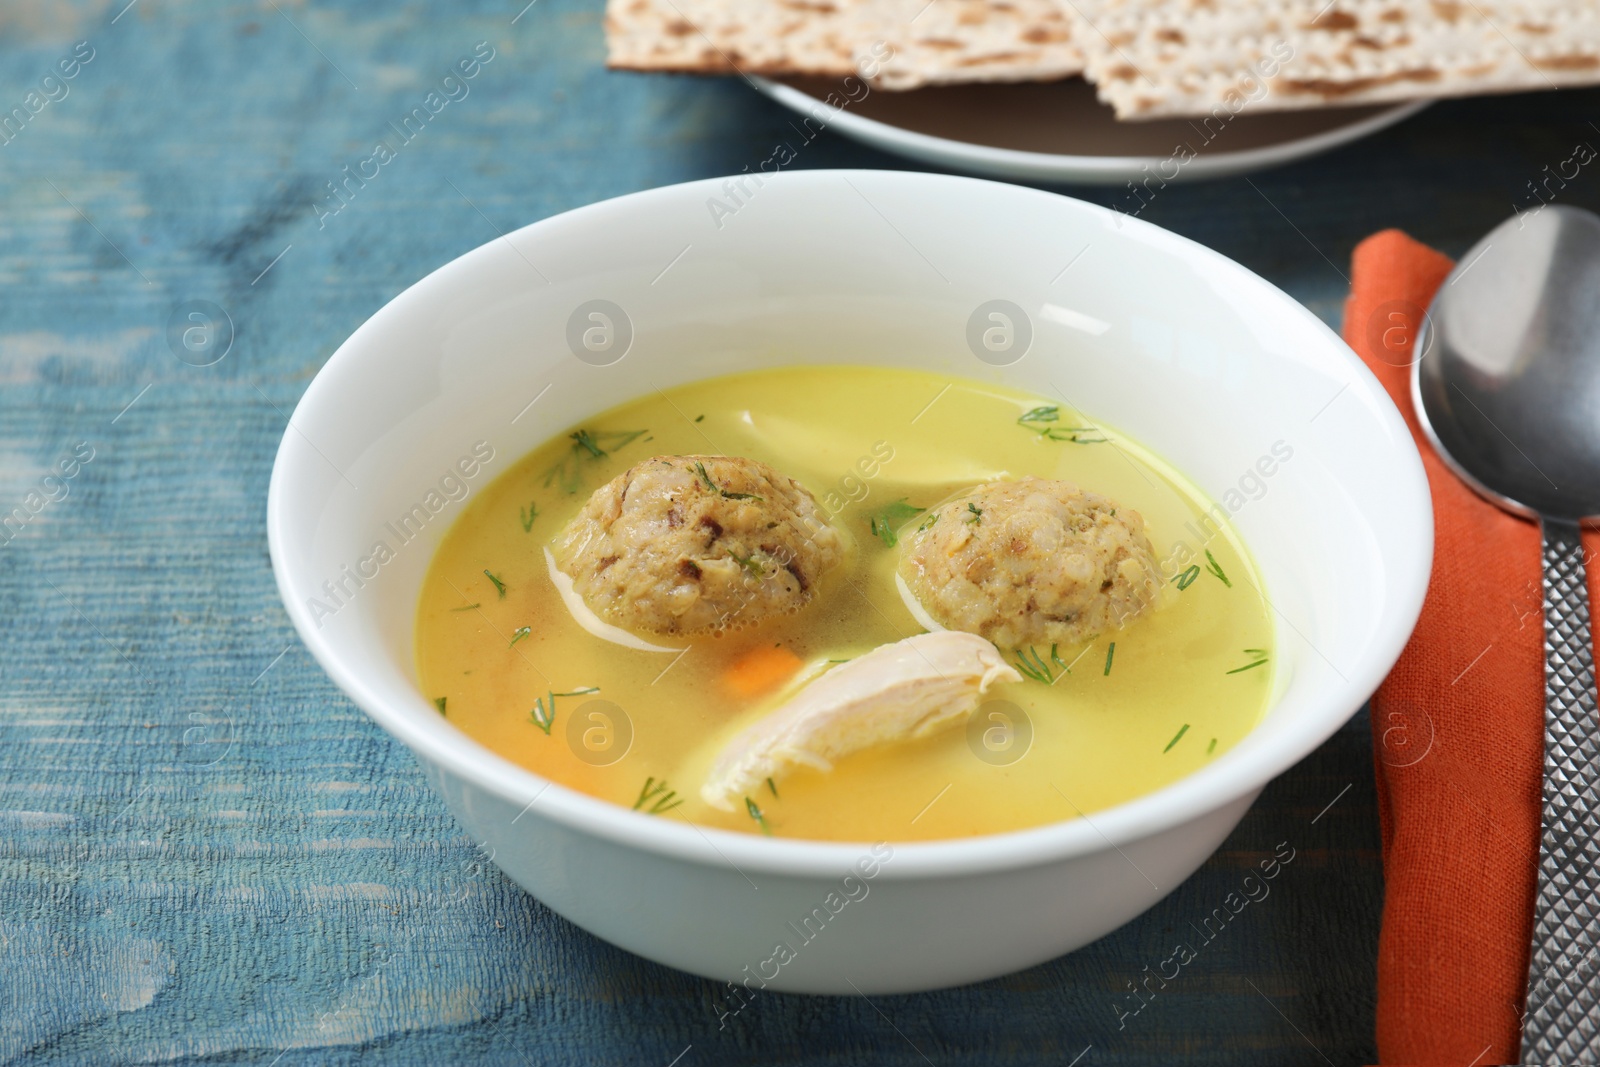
x=890, y=582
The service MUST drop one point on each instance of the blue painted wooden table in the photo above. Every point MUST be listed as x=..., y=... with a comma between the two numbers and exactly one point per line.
x=207, y=854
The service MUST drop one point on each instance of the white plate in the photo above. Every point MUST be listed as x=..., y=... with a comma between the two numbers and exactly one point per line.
x=1059, y=132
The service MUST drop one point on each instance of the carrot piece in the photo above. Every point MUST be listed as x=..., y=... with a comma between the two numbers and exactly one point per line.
x=760, y=669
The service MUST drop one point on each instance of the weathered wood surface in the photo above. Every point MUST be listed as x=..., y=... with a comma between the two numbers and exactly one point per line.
x=206, y=853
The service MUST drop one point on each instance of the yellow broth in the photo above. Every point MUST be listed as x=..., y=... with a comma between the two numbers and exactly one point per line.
x=1181, y=686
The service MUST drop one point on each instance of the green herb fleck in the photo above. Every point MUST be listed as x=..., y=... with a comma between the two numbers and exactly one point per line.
x=755, y=813
x=927, y=523
x=1111, y=651
x=1041, y=420
x=499, y=586
x=699, y=418
x=527, y=515
x=1186, y=579
x=618, y=439
x=976, y=513
x=543, y=714
x=700, y=469
x=1216, y=568
x=1035, y=666
x=1212, y=747
x=1176, y=738
x=468, y=607
x=847, y=659
x=439, y=702
x=749, y=563
x=772, y=787
x=887, y=522
x=587, y=447
x=1257, y=655
x=660, y=798
x=519, y=633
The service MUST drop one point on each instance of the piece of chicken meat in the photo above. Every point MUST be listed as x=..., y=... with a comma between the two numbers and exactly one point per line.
x=897, y=692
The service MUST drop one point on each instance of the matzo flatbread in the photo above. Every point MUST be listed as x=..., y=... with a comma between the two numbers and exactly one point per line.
x=896, y=44
x=1161, y=58
x=951, y=41
x=725, y=36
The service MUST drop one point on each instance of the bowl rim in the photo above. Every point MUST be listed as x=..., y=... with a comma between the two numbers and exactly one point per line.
x=1234, y=775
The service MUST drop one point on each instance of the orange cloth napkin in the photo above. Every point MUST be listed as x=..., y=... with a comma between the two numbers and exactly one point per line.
x=1458, y=730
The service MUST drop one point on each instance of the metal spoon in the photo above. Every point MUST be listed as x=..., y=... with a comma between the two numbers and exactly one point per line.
x=1506, y=381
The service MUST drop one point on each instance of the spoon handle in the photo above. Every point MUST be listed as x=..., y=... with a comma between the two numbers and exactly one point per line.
x=1562, y=1022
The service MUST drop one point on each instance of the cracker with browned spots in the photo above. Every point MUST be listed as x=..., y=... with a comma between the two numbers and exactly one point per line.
x=1217, y=58
x=894, y=44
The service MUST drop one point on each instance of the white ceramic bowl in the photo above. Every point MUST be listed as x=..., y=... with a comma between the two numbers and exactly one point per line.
x=1185, y=350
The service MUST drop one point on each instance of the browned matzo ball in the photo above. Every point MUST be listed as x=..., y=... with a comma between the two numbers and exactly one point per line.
x=1031, y=562
x=697, y=544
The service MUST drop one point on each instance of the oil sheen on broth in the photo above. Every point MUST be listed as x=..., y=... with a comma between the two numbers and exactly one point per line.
x=1139, y=708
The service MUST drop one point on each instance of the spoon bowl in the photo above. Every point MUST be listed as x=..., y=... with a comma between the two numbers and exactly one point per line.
x=1507, y=378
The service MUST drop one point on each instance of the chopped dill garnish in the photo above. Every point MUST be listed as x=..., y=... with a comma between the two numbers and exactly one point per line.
x=1216, y=568
x=665, y=799
x=1186, y=579
x=1258, y=655
x=887, y=522
x=1034, y=666
x=621, y=438
x=699, y=418
x=847, y=659
x=499, y=586
x=976, y=511
x=527, y=515
x=755, y=813
x=1212, y=747
x=519, y=633
x=1176, y=738
x=1111, y=651
x=772, y=787
x=439, y=702
x=587, y=446
x=748, y=563
x=927, y=523
x=468, y=607
x=1048, y=414
x=543, y=714
x=700, y=469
